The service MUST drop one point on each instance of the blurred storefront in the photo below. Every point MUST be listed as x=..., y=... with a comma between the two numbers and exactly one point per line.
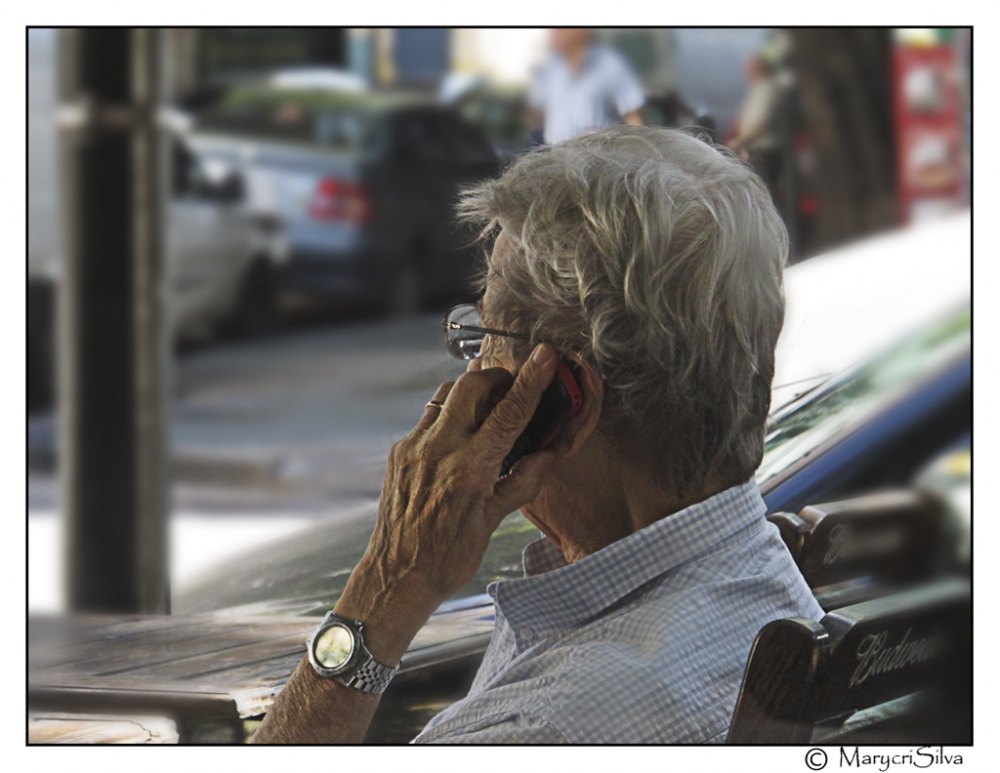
x=421, y=55
x=204, y=60
x=928, y=106
x=226, y=54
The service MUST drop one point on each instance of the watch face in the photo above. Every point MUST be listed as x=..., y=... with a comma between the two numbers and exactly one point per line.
x=334, y=646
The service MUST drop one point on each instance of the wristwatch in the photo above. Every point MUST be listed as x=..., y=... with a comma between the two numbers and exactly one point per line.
x=337, y=651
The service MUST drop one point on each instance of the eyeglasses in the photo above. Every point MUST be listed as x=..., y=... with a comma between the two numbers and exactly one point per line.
x=464, y=333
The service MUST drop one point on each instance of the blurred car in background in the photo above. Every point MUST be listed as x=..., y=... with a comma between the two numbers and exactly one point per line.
x=888, y=407
x=364, y=182
x=225, y=261
x=501, y=111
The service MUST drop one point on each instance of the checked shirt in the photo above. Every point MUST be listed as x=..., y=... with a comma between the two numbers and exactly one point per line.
x=644, y=641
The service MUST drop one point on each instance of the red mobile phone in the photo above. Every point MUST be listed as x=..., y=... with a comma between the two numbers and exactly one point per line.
x=561, y=400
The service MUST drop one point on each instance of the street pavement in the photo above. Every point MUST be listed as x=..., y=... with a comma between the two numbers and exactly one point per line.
x=308, y=416
x=296, y=419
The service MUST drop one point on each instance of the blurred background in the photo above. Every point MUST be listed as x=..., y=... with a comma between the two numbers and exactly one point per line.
x=300, y=184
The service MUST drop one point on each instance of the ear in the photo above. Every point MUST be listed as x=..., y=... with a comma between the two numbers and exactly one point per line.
x=577, y=430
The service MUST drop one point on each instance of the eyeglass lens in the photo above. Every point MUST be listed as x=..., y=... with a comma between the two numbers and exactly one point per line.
x=462, y=343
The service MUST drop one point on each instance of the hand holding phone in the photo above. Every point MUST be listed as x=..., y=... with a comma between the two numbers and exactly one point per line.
x=561, y=400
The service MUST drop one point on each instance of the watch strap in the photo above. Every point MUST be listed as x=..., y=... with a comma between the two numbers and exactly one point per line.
x=369, y=676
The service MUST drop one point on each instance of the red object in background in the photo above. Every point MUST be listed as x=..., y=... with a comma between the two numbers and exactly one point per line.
x=805, y=161
x=928, y=140
x=342, y=201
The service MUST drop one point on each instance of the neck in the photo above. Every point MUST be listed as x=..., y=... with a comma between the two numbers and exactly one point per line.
x=592, y=501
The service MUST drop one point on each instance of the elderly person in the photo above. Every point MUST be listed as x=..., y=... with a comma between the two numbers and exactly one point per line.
x=654, y=262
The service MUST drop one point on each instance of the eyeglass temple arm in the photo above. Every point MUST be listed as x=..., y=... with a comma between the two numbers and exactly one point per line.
x=486, y=330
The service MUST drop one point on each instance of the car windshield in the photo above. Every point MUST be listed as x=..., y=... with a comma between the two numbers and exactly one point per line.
x=838, y=403
x=330, y=120
x=305, y=572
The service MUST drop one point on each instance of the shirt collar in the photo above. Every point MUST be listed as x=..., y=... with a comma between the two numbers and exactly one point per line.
x=554, y=595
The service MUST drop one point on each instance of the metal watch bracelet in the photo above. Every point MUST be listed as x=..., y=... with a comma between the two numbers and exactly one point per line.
x=371, y=676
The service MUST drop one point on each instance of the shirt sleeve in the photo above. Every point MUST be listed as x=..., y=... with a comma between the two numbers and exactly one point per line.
x=500, y=728
x=625, y=87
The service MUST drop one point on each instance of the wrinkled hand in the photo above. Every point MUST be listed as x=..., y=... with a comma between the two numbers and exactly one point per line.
x=441, y=500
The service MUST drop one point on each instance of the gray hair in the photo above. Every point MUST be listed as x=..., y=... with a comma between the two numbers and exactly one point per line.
x=658, y=257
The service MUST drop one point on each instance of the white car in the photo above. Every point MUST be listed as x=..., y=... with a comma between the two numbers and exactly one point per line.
x=224, y=260
x=858, y=299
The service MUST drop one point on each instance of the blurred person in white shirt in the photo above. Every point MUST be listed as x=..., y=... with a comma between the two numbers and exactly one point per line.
x=582, y=86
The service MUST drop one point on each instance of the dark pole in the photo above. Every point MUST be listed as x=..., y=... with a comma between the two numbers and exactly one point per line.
x=113, y=344
x=789, y=166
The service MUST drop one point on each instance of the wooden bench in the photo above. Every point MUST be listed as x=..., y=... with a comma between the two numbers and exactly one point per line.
x=896, y=669
x=213, y=677
x=857, y=549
